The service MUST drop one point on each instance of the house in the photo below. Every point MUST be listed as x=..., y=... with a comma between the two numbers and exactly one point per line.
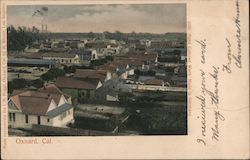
x=150, y=85
x=118, y=68
x=140, y=47
x=103, y=48
x=34, y=48
x=86, y=56
x=62, y=58
x=110, y=90
x=79, y=90
x=45, y=106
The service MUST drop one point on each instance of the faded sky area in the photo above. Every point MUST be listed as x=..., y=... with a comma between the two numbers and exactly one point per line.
x=152, y=18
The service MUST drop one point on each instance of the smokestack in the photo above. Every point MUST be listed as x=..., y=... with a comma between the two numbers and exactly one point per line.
x=46, y=29
x=42, y=28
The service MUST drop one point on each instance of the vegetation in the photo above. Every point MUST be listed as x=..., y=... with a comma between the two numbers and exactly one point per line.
x=99, y=62
x=21, y=83
x=52, y=74
x=72, y=69
x=19, y=38
x=38, y=83
x=158, y=121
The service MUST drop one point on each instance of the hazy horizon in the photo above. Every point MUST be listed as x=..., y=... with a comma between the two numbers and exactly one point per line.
x=100, y=18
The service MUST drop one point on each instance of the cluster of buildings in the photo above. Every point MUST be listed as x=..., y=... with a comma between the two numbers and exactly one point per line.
x=144, y=65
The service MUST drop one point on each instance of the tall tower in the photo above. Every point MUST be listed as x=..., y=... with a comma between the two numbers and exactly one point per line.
x=42, y=28
x=46, y=29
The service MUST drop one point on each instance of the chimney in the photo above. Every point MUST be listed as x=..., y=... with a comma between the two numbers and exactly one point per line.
x=42, y=28
x=46, y=29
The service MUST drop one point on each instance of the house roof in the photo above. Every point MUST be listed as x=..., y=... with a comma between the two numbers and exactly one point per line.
x=34, y=105
x=157, y=82
x=30, y=61
x=36, y=102
x=54, y=92
x=91, y=74
x=96, y=45
x=57, y=111
x=57, y=54
x=70, y=82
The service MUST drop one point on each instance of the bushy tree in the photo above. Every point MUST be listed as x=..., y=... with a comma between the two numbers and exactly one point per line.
x=20, y=37
x=52, y=74
x=38, y=83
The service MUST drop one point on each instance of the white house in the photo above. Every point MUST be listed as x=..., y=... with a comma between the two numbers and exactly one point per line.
x=45, y=106
x=62, y=58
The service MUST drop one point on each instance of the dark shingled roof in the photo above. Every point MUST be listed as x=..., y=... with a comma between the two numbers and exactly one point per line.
x=57, y=54
x=30, y=61
x=57, y=111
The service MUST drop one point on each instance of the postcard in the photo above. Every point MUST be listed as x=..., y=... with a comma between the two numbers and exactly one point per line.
x=128, y=79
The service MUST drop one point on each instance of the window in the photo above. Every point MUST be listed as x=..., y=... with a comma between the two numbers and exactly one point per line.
x=63, y=115
x=14, y=117
x=48, y=120
x=10, y=117
x=26, y=118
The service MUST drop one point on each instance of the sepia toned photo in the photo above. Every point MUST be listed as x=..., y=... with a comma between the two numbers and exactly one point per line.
x=97, y=70
x=127, y=79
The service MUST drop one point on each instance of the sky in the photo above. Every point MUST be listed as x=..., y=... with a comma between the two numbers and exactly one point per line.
x=151, y=18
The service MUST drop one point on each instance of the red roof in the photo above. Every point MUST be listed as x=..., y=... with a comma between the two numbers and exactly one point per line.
x=36, y=102
x=35, y=105
x=32, y=102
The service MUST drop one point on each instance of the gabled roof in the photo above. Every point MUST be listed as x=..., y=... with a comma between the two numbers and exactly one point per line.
x=36, y=102
x=32, y=102
x=34, y=105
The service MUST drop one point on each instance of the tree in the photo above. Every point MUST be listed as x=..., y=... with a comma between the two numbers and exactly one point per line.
x=38, y=83
x=17, y=84
x=91, y=35
x=18, y=39
x=52, y=74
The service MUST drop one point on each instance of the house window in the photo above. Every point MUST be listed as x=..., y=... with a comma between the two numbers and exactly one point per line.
x=14, y=117
x=10, y=117
x=63, y=115
x=48, y=120
x=26, y=118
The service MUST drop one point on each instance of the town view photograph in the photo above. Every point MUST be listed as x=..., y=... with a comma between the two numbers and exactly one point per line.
x=97, y=70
